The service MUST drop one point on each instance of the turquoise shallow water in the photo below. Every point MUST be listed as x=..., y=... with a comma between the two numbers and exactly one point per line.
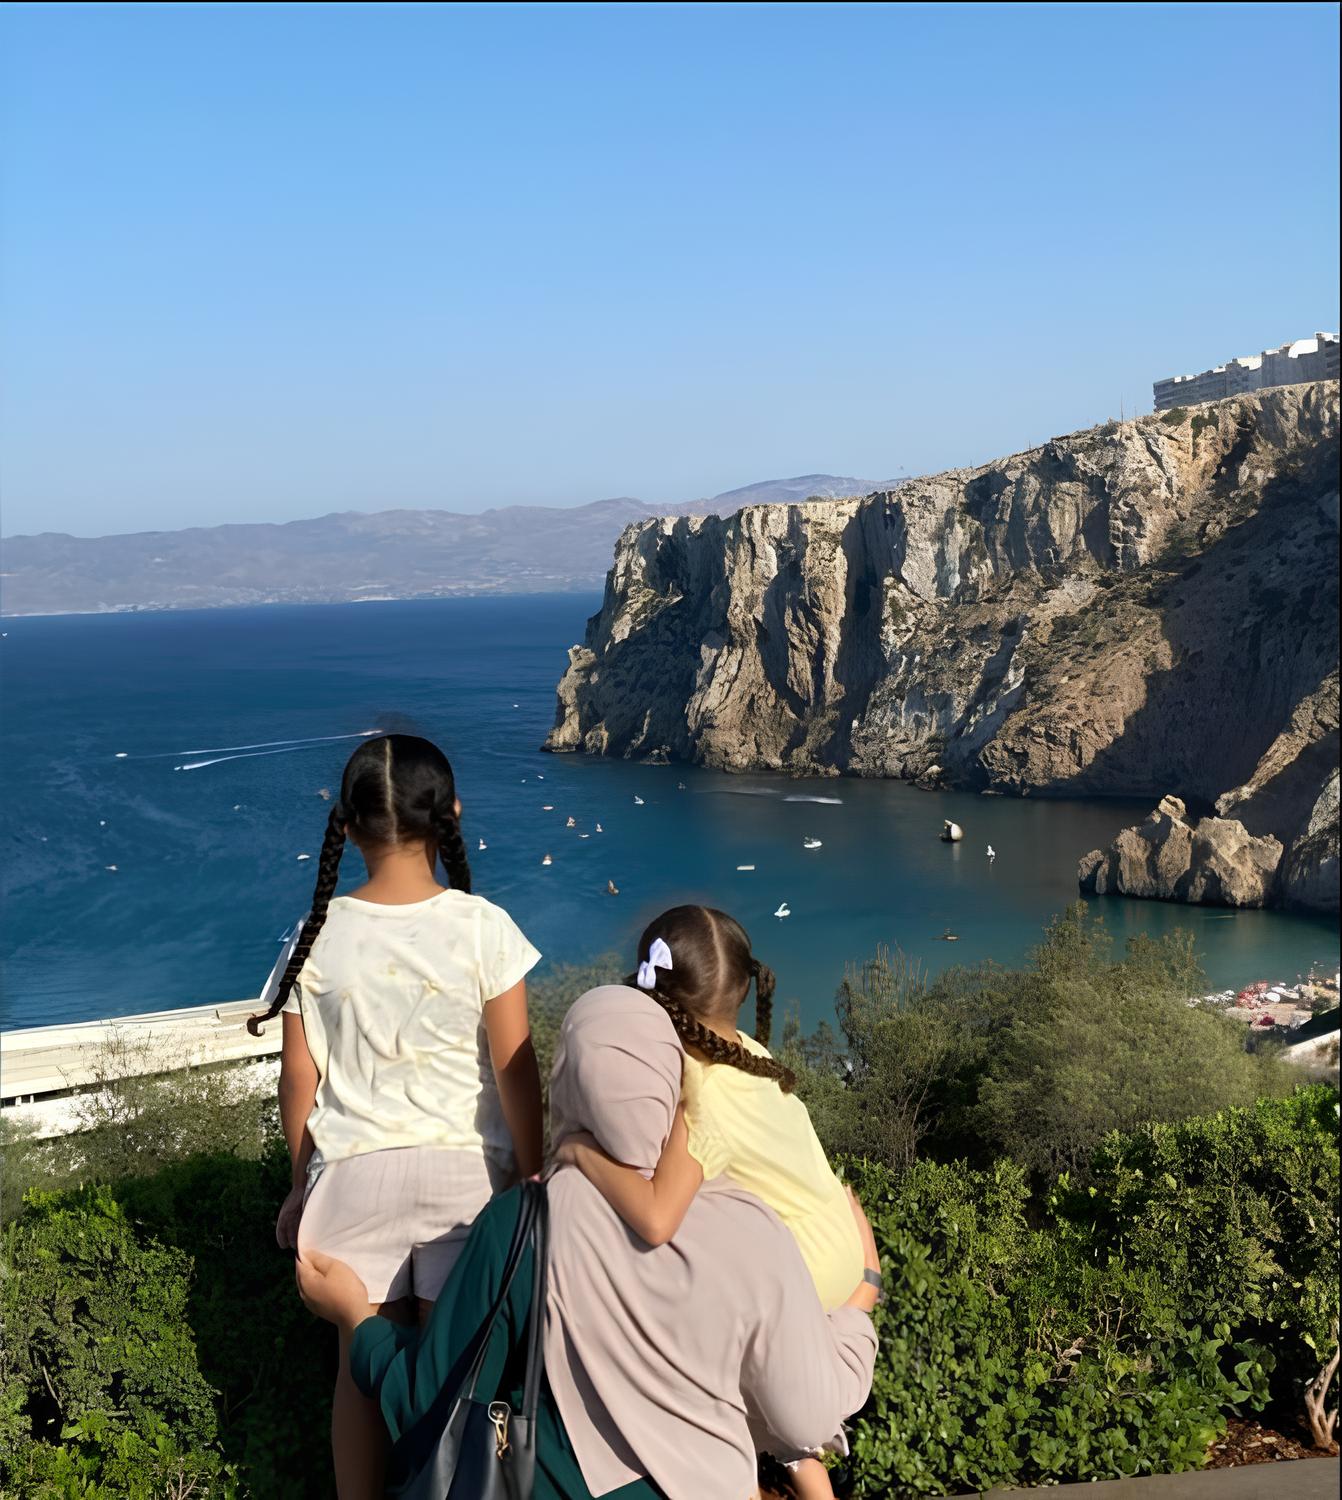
x=207, y=875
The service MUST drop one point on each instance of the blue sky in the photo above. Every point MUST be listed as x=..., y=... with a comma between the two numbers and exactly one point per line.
x=267, y=261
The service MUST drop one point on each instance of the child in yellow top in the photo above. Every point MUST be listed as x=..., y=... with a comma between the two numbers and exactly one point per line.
x=738, y=1117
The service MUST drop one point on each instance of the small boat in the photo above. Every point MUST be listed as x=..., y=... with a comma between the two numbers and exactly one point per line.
x=121, y=755
x=571, y=823
x=951, y=833
x=547, y=807
x=992, y=853
x=599, y=828
x=324, y=792
x=638, y=801
x=680, y=786
x=950, y=937
x=539, y=777
x=584, y=835
x=547, y=860
x=612, y=889
x=110, y=867
x=784, y=910
x=745, y=867
x=483, y=845
x=810, y=844
x=304, y=856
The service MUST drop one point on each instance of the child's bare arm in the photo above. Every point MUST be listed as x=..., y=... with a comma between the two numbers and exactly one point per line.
x=652, y=1207
x=516, y=1073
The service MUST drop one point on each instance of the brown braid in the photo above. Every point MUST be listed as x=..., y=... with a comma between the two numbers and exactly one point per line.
x=765, y=985
x=328, y=871
x=715, y=1048
x=452, y=848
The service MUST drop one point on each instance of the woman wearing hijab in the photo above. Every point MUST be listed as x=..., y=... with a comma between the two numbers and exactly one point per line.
x=660, y=1362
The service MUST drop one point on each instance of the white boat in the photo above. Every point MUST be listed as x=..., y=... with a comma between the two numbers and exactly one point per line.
x=992, y=853
x=571, y=823
x=638, y=801
x=483, y=845
x=547, y=807
x=303, y=856
x=599, y=828
x=745, y=867
x=810, y=844
x=784, y=910
x=547, y=860
x=951, y=833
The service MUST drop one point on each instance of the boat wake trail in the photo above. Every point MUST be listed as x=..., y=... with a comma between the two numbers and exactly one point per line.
x=833, y=801
x=251, y=752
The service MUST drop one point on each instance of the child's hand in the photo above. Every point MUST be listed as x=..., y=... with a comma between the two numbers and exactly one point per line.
x=286, y=1225
x=568, y=1152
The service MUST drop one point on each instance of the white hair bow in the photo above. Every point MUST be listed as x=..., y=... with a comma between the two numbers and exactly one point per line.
x=659, y=957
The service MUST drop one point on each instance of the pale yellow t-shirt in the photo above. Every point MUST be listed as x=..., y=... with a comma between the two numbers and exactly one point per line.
x=393, y=1000
x=748, y=1129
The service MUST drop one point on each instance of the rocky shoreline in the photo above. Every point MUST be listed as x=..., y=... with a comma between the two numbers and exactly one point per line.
x=1144, y=606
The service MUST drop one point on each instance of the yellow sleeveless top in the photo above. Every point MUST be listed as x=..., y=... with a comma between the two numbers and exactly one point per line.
x=748, y=1129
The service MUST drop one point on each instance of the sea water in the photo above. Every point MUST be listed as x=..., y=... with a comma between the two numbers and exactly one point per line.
x=163, y=774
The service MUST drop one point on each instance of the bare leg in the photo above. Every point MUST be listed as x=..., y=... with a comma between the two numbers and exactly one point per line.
x=358, y=1436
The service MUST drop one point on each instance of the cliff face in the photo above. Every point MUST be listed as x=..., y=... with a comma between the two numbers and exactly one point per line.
x=1143, y=608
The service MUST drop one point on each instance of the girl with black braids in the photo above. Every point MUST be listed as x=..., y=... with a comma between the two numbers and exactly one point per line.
x=738, y=1117
x=409, y=1092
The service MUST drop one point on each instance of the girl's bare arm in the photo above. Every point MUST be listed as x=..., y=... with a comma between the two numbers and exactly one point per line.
x=652, y=1207
x=517, y=1075
x=298, y=1093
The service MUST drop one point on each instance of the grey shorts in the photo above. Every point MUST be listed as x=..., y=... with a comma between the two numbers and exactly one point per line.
x=399, y=1218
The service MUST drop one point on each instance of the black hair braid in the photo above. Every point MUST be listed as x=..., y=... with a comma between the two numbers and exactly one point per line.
x=765, y=984
x=452, y=848
x=717, y=1049
x=328, y=871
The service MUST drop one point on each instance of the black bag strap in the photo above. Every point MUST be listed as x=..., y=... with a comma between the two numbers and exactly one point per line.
x=427, y=1431
x=540, y=1276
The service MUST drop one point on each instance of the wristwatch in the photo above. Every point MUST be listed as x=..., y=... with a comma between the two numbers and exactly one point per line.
x=873, y=1278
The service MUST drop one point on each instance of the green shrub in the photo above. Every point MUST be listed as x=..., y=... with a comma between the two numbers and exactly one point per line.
x=1019, y=1355
x=1037, y=1064
x=101, y=1394
x=1241, y=1210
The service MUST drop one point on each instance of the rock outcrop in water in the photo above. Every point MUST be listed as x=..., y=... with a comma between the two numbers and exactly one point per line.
x=1139, y=607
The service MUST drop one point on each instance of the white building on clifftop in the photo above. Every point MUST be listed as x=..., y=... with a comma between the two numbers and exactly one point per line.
x=1292, y=364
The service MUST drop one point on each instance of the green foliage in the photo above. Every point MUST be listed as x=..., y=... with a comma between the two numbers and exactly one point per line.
x=1241, y=1209
x=1111, y=1335
x=1174, y=416
x=101, y=1394
x=141, y=1109
x=1037, y=1064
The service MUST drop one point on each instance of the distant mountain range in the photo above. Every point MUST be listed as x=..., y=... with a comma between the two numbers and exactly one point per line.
x=392, y=554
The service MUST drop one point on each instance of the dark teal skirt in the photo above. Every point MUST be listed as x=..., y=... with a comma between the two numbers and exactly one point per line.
x=405, y=1368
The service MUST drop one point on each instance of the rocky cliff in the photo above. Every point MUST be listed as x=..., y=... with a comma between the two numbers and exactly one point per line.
x=1140, y=609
